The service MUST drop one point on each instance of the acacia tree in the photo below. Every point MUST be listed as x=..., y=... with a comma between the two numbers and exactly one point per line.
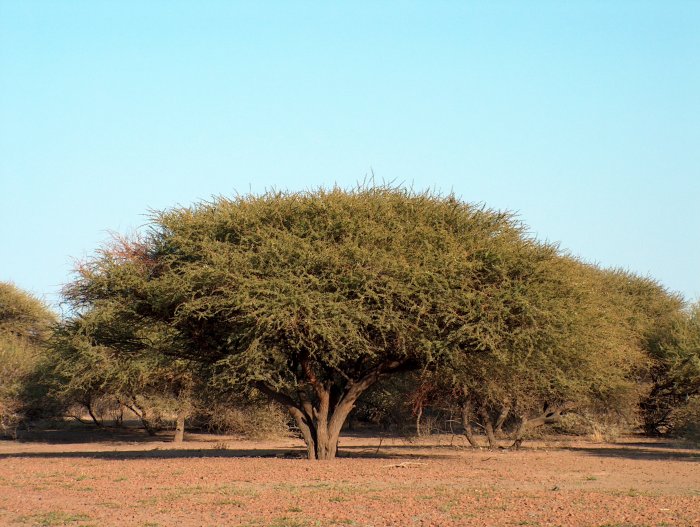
x=313, y=297
x=604, y=356
x=80, y=370
x=532, y=376
x=22, y=315
x=674, y=371
x=594, y=363
x=24, y=326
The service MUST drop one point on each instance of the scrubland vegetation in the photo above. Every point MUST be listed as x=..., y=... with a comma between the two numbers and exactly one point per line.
x=309, y=313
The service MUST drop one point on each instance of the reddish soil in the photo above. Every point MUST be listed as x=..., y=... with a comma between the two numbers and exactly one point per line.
x=220, y=481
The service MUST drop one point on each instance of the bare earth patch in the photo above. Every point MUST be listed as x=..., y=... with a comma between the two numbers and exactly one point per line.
x=217, y=481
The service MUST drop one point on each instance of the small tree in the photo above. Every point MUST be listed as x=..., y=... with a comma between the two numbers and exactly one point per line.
x=23, y=316
x=593, y=361
x=312, y=298
x=675, y=370
x=81, y=371
x=603, y=347
x=24, y=325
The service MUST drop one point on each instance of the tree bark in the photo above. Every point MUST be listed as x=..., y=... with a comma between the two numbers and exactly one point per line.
x=119, y=416
x=179, y=427
x=505, y=412
x=550, y=415
x=419, y=414
x=93, y=416
x=320, y=421
x=466, y=423
x=305, y=427
x=323, y=439
x=141, y=414
x=488, y=426
x=321, y=434
x=182, y=393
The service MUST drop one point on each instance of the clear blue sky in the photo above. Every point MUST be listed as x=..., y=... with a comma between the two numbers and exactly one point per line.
x=583, y=117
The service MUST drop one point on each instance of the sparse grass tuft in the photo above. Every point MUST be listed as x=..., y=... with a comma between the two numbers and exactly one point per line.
x=53, y=518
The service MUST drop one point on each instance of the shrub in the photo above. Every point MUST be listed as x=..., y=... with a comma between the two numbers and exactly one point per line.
x=251, y=421
x=18, y=360
x=685, y=421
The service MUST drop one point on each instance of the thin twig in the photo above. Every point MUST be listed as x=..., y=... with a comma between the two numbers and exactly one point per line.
x=403, y=465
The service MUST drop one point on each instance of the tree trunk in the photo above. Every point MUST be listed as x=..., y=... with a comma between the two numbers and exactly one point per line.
x=325, y=447
x=549, y=416
x=488, y=426
x=93, y=416
x=119, y=416
x=328, y=430
x=321, y=436
x=320, y=422
x=419, y=414
x=183, y=394
x=148, y=426
x=179, y=427
x=466, y=423
x=505, y=412
x=141, y=414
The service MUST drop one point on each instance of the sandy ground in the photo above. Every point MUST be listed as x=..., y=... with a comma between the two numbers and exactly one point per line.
x=129, y=480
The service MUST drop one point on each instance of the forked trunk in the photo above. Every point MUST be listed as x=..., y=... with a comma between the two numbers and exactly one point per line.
x=466, y=423
x=505, y=412
x=488, y=426
x=321, y=434
x=320, y=408
x=327, y=448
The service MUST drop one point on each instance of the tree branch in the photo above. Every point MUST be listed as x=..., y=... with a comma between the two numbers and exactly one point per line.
x=279, y=397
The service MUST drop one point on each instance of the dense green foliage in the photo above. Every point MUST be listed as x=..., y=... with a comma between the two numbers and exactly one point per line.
x=673, y=401
x=162, y=391
x=596, y=360
x=22, y=315
x=312, y=298
x=24, y=326
x=81, y=371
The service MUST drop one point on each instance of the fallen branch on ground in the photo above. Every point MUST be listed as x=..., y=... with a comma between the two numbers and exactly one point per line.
x=403, y=465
